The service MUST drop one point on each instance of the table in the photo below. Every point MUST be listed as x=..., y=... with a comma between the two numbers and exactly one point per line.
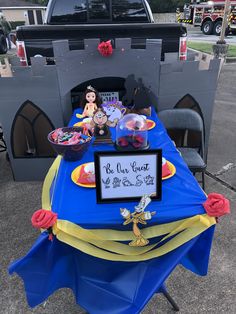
x=110, y=286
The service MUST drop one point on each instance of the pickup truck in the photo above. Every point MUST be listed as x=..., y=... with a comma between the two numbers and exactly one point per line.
x=76, y=20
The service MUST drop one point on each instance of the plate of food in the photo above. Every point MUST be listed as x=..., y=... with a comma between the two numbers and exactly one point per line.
x=150, y=124
x=168, y=169
x=87, y=126
x=84, y=175
x=79, y=124
x=79, y=116
x=84, y=123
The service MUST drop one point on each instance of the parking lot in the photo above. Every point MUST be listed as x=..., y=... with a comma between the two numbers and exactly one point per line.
x=195, y=34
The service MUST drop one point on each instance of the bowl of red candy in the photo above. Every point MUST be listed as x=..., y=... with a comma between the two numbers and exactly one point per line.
x=70, y=142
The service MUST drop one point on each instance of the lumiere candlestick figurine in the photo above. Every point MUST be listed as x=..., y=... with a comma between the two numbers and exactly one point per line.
x=138, y=216
x=101, y=130
x=90, y=102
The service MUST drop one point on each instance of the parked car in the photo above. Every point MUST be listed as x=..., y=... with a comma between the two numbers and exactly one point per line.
x=76, y=20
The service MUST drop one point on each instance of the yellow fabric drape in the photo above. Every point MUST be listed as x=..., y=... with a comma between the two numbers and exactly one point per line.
x=106, y=243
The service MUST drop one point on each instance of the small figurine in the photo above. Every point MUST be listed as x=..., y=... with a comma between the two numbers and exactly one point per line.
x=145, y=200
x=139, y=216
x=101, y=129
x=114, y=111
x=137, y=98
x=90, y=102
x=141, y=97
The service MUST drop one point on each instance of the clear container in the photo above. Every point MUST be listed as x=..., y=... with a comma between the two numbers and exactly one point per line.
x=132, y=133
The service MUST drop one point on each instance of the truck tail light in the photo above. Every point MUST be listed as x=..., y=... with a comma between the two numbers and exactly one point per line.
x=21, y=53
x=183, y=48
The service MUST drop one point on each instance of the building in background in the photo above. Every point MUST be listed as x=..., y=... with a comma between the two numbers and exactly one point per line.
x=20, y=12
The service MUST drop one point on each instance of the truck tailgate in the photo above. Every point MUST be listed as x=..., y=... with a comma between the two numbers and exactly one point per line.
x=38, y=39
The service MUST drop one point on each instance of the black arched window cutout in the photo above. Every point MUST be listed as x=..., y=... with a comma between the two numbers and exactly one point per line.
x=102, y=84
x=29, y=132
x=188, y=102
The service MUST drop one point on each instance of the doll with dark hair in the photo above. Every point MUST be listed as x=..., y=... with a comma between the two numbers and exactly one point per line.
x=90, y=102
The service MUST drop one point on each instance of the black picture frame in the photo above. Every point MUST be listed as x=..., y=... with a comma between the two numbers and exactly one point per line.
x=118, y=155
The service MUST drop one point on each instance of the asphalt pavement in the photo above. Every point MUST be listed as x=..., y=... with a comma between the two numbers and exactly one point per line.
x=213, y=294
x=195, y=34
x=222, y=146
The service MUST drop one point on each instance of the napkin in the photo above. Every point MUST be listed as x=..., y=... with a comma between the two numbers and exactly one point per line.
x=165, y=169
x=86, y=177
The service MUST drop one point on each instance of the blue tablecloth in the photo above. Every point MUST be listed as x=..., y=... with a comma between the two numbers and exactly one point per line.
x=102, y=286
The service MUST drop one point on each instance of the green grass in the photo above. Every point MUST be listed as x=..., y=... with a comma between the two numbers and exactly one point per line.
x=207, y=48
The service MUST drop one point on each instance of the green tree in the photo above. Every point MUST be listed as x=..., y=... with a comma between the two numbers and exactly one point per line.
x=157, y=6
x=41, y=2
x=166, y=6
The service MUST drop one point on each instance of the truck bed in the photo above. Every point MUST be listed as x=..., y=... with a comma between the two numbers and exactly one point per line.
x=38, y=39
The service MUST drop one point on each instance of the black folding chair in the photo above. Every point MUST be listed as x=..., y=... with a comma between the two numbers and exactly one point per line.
x=181, y=125
x=3, y=146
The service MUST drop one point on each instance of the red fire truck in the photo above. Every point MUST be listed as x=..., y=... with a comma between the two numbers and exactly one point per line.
x=208, y=15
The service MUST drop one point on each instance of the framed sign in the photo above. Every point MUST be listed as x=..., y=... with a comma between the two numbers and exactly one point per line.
x=127, y=176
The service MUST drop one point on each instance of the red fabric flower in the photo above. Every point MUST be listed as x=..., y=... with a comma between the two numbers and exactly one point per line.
x=105, y=48
x=216, y=205
x=43, y=219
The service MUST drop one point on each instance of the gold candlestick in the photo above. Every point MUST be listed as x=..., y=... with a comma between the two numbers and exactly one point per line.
x=138, y=216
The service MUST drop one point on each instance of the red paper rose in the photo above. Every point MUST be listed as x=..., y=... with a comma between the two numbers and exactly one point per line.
x=139, y=138
x=123, y=142
x=44, y=219
x=216, y=205
x=105, y=48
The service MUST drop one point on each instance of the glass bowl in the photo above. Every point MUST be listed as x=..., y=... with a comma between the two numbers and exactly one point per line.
x=132, y=133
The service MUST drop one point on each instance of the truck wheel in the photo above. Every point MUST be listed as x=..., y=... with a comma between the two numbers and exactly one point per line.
x=3, y=44
x=207, y=28
x=217, y=28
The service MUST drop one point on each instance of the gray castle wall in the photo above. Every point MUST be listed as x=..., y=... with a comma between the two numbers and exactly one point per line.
x=78, y=66
x=39, y=85
x=49, y=86
x=197, y=78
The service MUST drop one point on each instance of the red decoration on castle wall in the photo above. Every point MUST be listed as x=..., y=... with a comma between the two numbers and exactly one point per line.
x=105, y=48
